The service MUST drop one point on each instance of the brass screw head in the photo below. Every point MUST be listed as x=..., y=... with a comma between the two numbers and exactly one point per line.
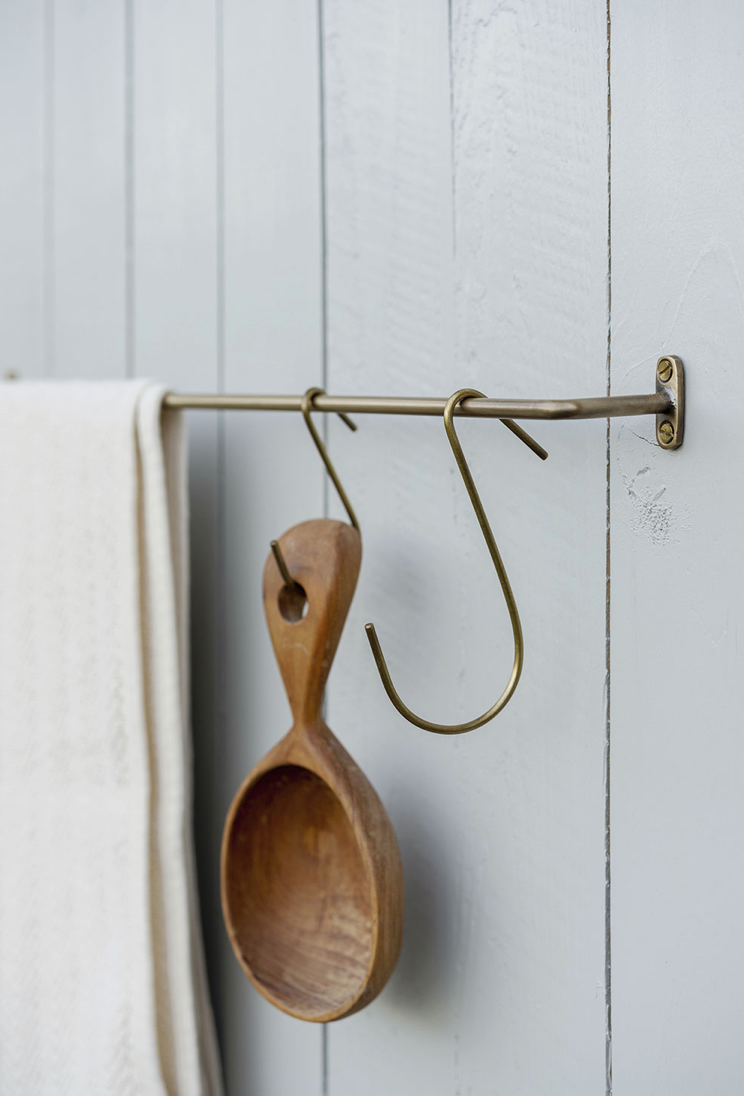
x=666, y=432
x=665, y=370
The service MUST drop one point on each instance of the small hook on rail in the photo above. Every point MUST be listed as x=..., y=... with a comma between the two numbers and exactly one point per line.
x=308, y=400
x=503, y=700
x=307, y=406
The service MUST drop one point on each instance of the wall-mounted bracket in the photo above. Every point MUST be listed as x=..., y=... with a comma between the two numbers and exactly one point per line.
x=670, y=380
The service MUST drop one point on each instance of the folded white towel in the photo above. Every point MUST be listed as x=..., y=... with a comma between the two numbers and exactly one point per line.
x=102, y=986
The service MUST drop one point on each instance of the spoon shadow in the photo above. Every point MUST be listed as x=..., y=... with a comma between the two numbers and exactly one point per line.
x=425, y=975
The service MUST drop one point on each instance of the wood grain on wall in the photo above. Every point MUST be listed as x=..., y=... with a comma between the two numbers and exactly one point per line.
x=677, y=545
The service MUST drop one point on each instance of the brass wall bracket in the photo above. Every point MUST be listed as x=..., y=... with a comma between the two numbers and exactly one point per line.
x=670, y=380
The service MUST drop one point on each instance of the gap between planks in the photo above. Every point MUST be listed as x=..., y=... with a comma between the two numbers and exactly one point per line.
x=608, y=589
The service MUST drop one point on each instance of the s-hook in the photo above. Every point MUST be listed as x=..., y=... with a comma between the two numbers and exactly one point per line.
x=405, y=711
x=307, y=406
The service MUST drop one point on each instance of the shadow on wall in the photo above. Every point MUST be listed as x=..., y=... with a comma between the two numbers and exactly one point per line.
x=423, y=980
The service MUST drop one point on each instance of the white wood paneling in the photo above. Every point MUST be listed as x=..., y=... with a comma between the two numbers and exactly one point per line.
x=22, y=189
x=174, y=173
x=531, y=215
x=390, y=329
x=172, y=116
x=471, y=249
x=677, y=545
x=162, y=212
x=87, y=165
x=272, y=477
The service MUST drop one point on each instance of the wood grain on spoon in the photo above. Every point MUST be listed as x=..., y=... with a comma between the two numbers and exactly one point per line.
x=312, y=886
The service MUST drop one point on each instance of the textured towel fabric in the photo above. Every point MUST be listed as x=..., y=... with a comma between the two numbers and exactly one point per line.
x=102, y=987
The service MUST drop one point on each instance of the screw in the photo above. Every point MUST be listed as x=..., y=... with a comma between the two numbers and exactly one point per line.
x=665, y=370
x=666, y=432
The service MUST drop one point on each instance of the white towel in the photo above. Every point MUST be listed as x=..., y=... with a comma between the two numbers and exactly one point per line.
x=102, y=986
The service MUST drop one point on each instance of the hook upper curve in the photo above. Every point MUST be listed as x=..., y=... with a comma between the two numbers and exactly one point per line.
x=307, y=406
x=511, y=685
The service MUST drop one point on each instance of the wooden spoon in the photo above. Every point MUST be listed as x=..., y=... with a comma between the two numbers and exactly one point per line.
x=312, y=885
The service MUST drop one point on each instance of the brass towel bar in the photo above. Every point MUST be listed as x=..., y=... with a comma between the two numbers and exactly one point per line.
x=667, y=403
x=599, y=407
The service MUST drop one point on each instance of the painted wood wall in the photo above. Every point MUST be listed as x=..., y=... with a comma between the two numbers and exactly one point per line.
x=401, y=196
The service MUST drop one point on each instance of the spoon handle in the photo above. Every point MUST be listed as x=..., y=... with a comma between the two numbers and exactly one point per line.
x=306, y=619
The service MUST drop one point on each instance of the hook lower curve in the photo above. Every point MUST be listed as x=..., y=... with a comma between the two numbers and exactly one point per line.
x=308, y=400
x=511, y=685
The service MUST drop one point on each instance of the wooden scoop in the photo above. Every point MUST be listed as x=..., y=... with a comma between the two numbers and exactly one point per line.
x=312, y=885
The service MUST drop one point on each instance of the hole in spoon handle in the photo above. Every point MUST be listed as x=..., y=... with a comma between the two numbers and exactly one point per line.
x=306, y=619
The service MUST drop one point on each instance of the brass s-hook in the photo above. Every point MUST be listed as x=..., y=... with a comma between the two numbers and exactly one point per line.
x=459, y=728
x=307, y=407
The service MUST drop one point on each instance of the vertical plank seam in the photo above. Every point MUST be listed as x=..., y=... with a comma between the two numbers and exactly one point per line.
x=324, y=1041
x=48, y=227
x=608, y=590
x=219, y=193
x=453, y=173
x=220, y=620
x=323, y=239
x=129, y=226
x=456, y=1075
